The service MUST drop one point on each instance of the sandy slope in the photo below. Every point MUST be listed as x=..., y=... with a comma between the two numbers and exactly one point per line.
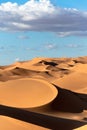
x=82, y=128
x=54, y=88
x=27, y=93
x=76, y=81
x=7, y=123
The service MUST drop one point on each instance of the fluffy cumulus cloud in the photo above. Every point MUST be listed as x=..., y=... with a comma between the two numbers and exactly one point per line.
x=42, y=15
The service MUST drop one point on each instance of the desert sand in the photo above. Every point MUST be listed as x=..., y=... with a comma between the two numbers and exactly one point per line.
x=7, y=123
x=44, y=93
x=82, y=128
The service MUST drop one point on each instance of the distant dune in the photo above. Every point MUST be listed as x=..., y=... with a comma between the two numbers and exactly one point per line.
x=44, y=93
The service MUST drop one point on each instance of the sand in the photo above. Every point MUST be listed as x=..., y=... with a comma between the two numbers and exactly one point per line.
x=7, y=123
x=44, y=93
x=20, y=93
x=82, y=128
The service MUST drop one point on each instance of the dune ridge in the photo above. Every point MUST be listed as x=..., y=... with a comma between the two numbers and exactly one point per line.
x=44, y=93
x=21, y=96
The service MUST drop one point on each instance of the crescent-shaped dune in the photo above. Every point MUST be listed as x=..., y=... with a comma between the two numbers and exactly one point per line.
x=7, y=123
x=27, y=93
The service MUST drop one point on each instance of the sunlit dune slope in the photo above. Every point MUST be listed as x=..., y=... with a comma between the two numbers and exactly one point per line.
x=82, y=128
x=27, y=93
x=7, y=123
x=76, y=81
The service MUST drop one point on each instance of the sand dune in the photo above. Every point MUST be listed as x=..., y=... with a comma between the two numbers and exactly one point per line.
x=27, y=93
x=50, y=92
x=43, y=120
x=76, y=81
x=82, y=128
x=7, y=123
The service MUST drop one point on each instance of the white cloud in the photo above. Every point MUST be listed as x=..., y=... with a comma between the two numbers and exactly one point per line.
x=74, y=33
x=42, y=15
x=74, y=45
x=23, y=37
x=51, y=46
x=17, y=59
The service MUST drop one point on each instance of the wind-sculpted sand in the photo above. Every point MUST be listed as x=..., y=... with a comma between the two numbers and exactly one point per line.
x=26, y=93
x=44, y=93
x=7, y=123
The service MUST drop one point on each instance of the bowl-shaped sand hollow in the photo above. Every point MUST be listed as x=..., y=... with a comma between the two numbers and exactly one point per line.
x=27, y=93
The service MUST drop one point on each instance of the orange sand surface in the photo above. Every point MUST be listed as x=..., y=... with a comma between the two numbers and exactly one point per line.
x=82, y=128
x=7, y=123
x=27, y=93
x=44, y=93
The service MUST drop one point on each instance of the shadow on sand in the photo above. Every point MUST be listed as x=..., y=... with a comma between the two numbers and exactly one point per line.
x=40, y=119
x=66, y=101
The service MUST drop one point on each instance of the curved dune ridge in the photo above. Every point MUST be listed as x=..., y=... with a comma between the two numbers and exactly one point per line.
x=7, y=123
x=27, y=93
x=76, y=81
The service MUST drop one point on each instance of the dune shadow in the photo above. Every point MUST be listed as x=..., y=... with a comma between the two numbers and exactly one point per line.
x=46, y=121
x=68, y=101
x=48, y=63
x=83, y=97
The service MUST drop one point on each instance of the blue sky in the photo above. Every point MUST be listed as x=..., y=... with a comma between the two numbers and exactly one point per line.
x=42, y=28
